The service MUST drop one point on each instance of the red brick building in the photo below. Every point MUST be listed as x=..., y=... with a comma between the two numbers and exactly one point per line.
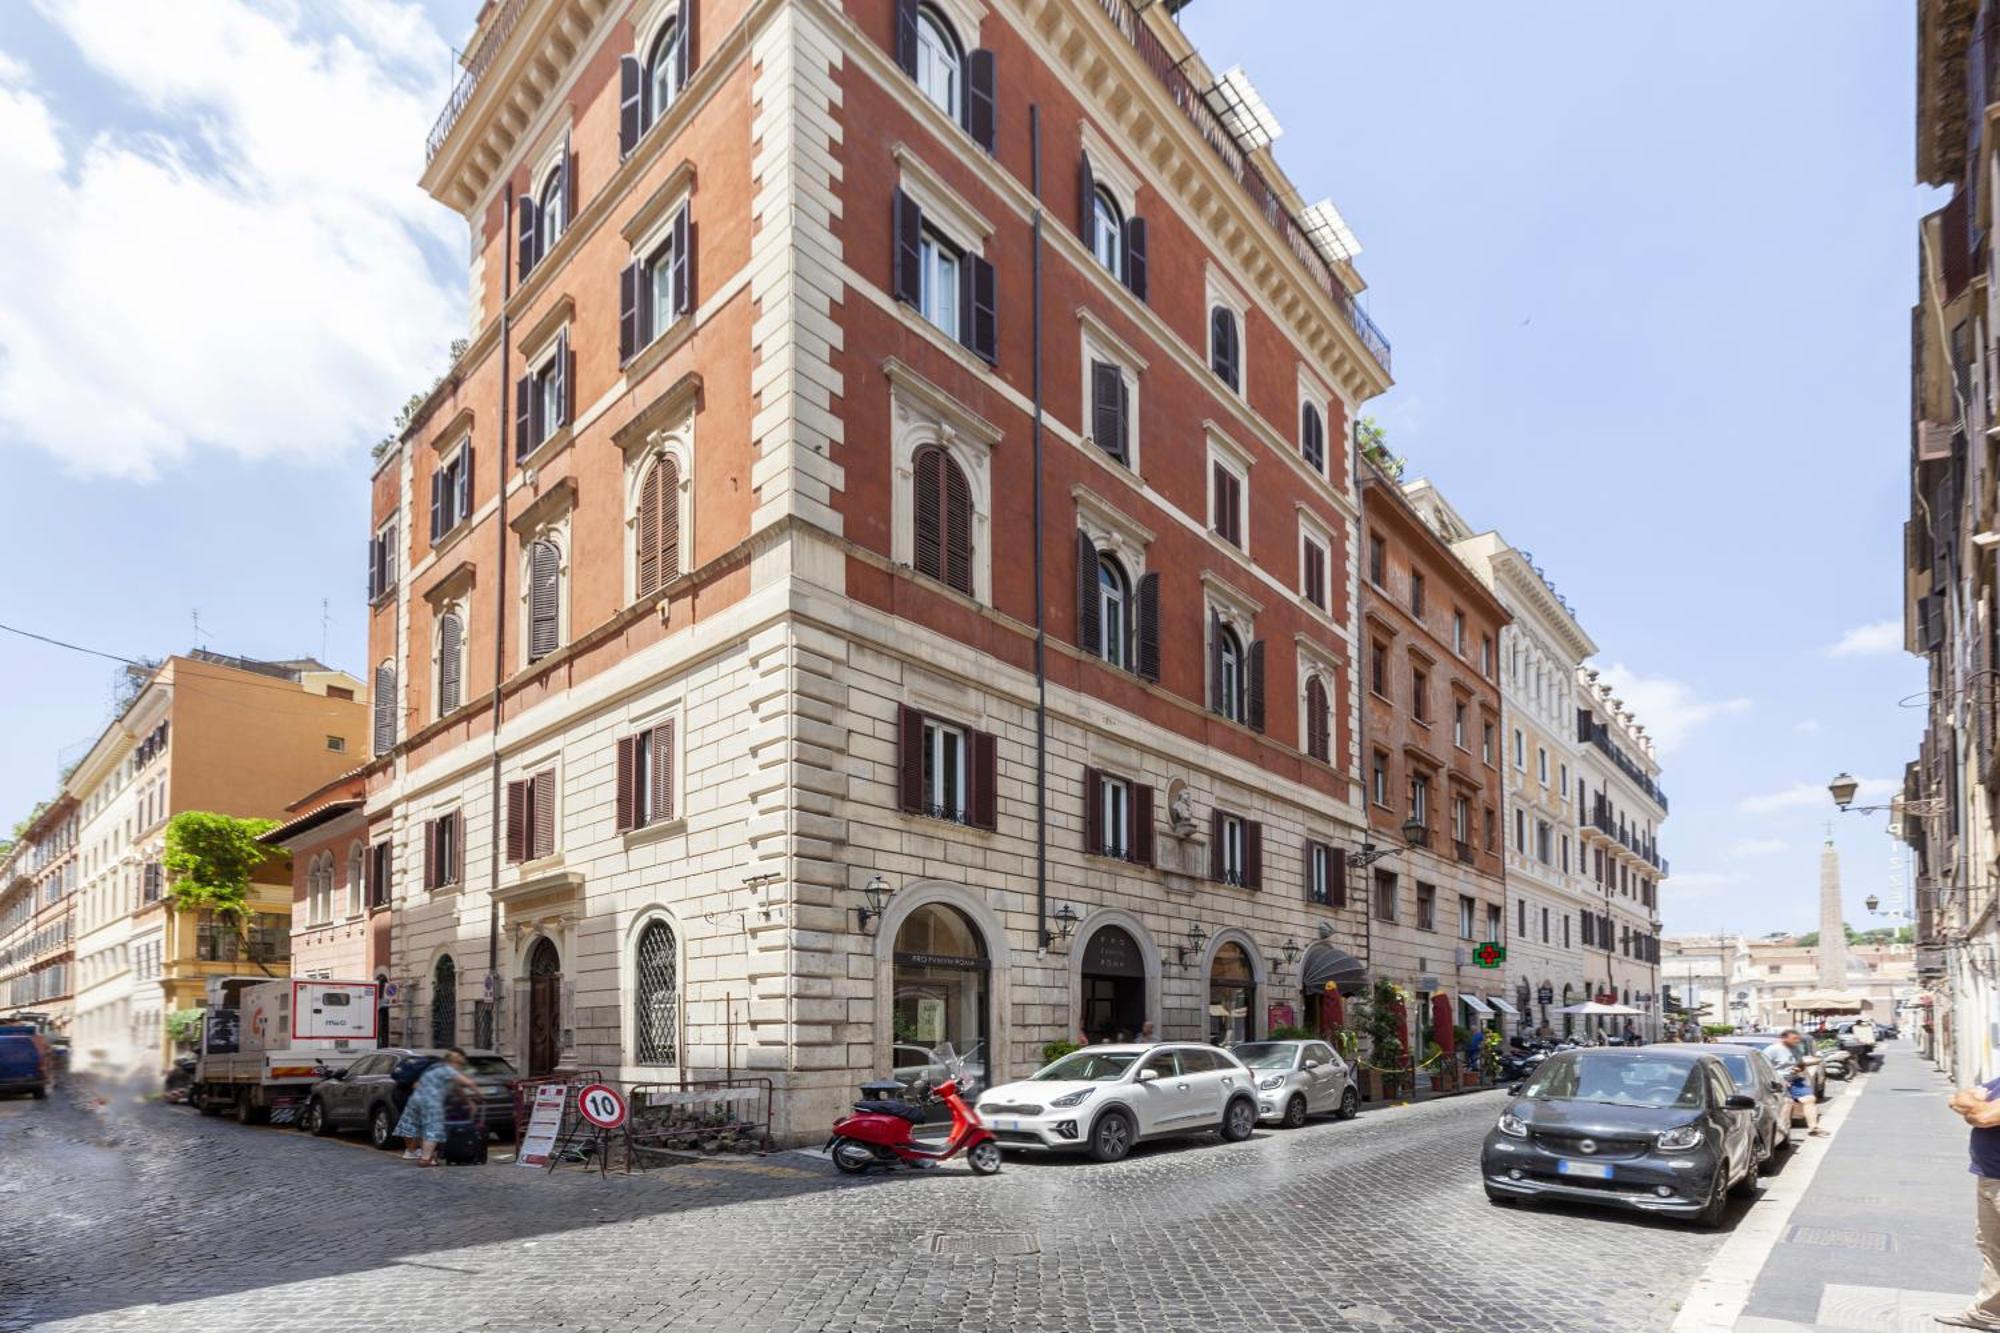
x=881, y=573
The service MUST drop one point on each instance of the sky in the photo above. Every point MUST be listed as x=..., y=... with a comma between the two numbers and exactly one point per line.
x=1647, y=271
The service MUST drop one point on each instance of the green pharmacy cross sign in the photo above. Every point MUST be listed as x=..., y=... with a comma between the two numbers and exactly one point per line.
x=1489, y=954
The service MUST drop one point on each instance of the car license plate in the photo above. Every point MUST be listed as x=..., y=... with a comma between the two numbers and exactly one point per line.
x=1007, y=1124
x=1595, y=1170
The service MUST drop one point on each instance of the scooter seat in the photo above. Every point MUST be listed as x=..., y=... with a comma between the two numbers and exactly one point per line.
x=900, y=1109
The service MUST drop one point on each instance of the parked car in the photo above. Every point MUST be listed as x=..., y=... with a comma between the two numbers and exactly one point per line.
x=1661, y=1129
x=365, y=1096
x=1296, y=1079
x=1763, y=1041
x=1104, y=1099
x=25, y=1064
x=1753, y=1076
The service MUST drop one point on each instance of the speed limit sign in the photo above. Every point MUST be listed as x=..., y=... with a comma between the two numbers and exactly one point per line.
x=601, y=1105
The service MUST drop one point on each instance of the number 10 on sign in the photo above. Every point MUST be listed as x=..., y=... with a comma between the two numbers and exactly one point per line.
x=600, y=1104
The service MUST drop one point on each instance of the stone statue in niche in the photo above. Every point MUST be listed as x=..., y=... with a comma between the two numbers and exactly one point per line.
x=1180, y=804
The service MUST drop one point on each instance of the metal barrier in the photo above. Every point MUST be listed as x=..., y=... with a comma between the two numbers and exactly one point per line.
x=699, y=1115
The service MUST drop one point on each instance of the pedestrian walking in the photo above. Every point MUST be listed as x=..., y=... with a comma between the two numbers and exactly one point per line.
x=423, y=1114
x=1788, y=1056
x=1980, y=1108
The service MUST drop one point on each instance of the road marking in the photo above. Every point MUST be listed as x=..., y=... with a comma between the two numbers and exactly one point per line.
x=1723, y=1289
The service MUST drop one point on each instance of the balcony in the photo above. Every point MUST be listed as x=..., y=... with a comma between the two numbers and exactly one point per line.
x=1263, y=197
x=476, y=66
x=1464, y=850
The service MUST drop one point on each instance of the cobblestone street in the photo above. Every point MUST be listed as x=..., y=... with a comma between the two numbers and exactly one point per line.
x=155, y=1218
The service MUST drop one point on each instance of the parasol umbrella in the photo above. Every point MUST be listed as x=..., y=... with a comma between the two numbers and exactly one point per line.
x=1593, y=1007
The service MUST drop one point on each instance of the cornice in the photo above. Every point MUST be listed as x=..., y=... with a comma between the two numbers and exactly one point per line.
x=1513, y=570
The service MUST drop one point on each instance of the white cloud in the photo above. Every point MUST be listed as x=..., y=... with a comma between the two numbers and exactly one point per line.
x=1814, y=795
x=1870, y=640
x=1668, y=709
x=249, y=274
x=1758, y=847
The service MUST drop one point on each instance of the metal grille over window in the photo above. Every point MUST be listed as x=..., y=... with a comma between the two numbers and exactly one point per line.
x=656, y=988
x=444, y=1004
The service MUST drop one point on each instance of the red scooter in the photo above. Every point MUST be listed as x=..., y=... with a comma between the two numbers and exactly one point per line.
x=882, y=1130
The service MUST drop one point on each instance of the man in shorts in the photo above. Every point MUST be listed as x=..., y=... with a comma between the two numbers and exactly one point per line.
x=1788, y=1056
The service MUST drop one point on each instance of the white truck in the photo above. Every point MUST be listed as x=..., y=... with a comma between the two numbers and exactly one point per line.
x=266, y=1041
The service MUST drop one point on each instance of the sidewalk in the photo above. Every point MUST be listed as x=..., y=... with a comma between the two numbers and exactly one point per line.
x=1883, y=1239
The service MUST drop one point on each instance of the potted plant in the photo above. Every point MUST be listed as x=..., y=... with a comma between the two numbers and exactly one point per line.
x=1387, y=1074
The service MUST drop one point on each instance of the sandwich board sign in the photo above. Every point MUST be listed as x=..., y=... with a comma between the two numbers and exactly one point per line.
x=544, y=1123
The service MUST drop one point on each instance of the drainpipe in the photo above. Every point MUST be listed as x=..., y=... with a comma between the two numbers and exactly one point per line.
x=1041, y=598
x=499, y=619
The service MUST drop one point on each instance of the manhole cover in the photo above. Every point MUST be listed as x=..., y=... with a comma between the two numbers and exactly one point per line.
x=1841, y=1238
x=994, y=1243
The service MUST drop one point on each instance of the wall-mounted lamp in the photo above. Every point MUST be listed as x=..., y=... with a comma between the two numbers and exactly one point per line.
x=877, y=892
x=1291, y=950
x=1065, y=924
x=1196, y=938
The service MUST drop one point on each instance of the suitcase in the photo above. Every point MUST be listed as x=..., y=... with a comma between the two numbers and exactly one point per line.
x=464, y=1142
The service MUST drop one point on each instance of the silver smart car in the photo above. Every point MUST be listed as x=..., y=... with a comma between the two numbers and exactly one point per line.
x=1296, y=1079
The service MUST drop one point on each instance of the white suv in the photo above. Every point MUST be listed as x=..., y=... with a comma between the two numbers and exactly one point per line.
x=1104, y=1099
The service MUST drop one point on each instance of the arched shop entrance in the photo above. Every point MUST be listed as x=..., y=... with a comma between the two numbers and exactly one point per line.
x=1114, y=985
x=1329, y=977
x=940, y=990
x=1232, y=995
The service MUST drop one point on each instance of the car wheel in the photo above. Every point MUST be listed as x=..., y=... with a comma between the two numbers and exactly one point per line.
x=39, y=1094
x=382, y=1129
x=850, y=1158
x=1111, y=1137
x=984, y=1158
x=1767, y=1156
x=313, y=1119
x=1295, y=1113
x=1239, y=1121
x=1710, y=1216
x=1747, y=1184
x=1350, y=1104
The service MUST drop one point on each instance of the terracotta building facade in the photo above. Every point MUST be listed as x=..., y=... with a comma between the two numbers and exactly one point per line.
x=881, y=574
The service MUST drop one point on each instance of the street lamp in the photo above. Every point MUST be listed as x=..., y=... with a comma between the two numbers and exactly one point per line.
x=877, y=892
x=1065, y=919
x=1415, y=834
x=1291, y=952
x=1196, y=937
x=1844, y=788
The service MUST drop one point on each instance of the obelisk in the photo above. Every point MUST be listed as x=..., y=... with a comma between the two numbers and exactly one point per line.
x=1832, y=925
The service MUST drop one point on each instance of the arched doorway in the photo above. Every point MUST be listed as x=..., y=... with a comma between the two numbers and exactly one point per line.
x=1568, y=999
x=1114, y=985
x=1328, y=976
x=544, y=1006
x=1232, y=995
x=444, y=1003
x=940, y=993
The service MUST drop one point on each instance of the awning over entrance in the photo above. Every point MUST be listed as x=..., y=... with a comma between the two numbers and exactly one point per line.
x=1475, y=1004
x=1503, y=1006
x=1324, y=964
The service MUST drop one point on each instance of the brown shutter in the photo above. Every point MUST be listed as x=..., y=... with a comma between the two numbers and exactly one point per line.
x=1093, y=811
x=450, y=664
x=1215, y=844
x=980, y=105
x=631, y=102
x=1142, y=825
x=1337, y=875
x=1216, y=702
x=1253, y=854
x=1149, y=627
x=517, y=822
x=1086, y=203
x=663, y=772
x=909, y=259
x=957, y=528
x=1089, y=623
x=430, y=854
x=649, y=530
x=1221, y=515
x=929, y=512
x=906, y=36
x=670, y=520
x=985, y=771
x=1254, y=694
x=542, y=801
x=627, y=749
x=1135, y=256
x=543, y=600
x=910, y=759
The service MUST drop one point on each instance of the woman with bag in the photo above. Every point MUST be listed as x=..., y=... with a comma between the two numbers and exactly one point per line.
x=423, y=1116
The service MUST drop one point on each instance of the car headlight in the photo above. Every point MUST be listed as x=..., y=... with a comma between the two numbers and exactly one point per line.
x=1077, y=1098
x=1680, y=1140
x=1271, y=1083
x=1513, y=1127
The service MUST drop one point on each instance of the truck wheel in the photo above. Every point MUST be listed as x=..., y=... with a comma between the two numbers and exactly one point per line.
x=247, y=1112
x=204, y=1103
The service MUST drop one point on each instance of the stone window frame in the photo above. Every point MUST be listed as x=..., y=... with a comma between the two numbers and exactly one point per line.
x=922, y=414
x=1223, y=451
x=675, y=439
x=1099, y=343
x=1221, y=290
x=553, y=528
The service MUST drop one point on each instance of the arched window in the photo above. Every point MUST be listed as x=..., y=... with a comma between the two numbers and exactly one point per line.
x=1225, y=353
x=357, y=864
x=552, y=212
x=544, y=567
x=1319, y=721
x=1312, y=437
x=656, y=997
x=1229, y=684
x=451, y=663
x=666, y=70
x=444, y=1003
x=943, y=519
x=1108, y=234
x=1114, y=612
x=659, y=525
x=940, y=70
x=385, y=708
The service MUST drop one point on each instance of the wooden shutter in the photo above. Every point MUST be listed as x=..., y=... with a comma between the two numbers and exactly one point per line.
x=1215, y=844
x=1254, y=691
x=650, y=512
x=909, y=259
x=1093, y=811
x=910, y=759
x=668, y=472
x=543, y=599
x=1319, y=740
x=451, y=659
x=680, y=283
x=1107, y=401
x=629, y=279
x=1149, y=627
x=1135, y=256
x=957, y=527
x=569, y=183
x=517, y=821
x=542, y=802
x=906, y=36
x=928, y=512
x=561, y=369
x=983, y=321
x=1215, y=682
x=985, y=775
x=627, y=752
x=1086, y=203
x=385, y=709
x=1089, y=623
x=430, y=853
x=663, y=771
x=684, y=52
x=524, y=417
x=437, y=505
x=1336, y=872
x=981, y=109
x=1142, y=825
x=464, y=479
x=1221, y=516
x=458, y=846
x=631, y=103
x=529, y=232
x=1253, y=854
x=1222, y=336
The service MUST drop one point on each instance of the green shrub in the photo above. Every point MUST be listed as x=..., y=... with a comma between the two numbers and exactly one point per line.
x=1056, y=1050
x=1292, y=1032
